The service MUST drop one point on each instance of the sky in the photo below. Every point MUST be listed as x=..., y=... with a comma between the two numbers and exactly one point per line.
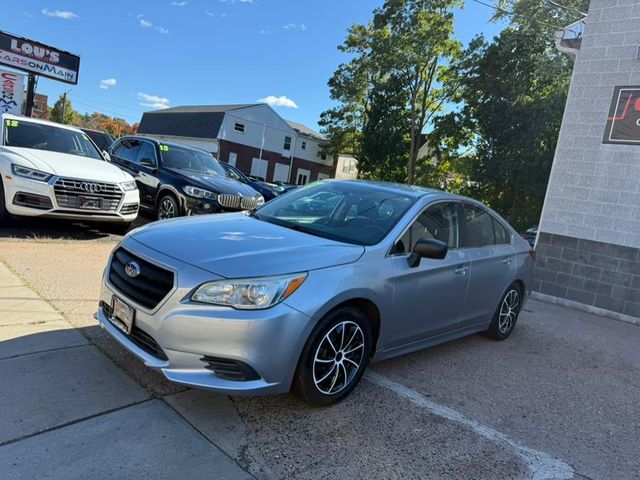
x=140, y=55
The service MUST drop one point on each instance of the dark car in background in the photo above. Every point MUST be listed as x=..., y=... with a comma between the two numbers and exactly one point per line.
x=176, y=180
x=268, y=190
x=530, y=235
x=103, y=140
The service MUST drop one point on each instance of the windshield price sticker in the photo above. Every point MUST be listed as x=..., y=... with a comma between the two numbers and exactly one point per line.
x=12, y=123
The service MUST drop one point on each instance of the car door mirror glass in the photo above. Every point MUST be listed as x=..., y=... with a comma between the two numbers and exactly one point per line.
x=427, y=247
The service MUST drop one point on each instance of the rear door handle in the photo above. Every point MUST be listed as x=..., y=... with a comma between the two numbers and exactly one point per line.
x=462, y=270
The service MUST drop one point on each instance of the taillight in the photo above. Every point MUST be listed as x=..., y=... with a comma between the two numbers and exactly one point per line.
x=533, y=254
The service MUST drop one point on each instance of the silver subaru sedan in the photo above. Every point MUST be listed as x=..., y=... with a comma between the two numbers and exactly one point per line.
x=303, y=292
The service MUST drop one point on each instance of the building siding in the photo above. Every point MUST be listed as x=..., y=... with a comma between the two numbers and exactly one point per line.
x=590, y=225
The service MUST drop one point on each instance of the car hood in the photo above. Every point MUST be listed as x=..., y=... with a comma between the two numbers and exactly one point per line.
x=235, y=245
x=217, y=183
x=66, y=165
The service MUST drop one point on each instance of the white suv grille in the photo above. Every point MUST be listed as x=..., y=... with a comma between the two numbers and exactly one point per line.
x=68, y=191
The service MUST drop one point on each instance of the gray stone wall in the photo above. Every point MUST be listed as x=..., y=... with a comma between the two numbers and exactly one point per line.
x=594, y=188
x=597, y=274
x=589, y=245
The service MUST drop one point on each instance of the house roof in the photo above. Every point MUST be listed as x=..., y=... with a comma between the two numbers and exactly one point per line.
x=304, y=130
x=203, y=108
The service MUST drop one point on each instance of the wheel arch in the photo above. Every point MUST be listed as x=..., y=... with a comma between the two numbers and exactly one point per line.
x=170, y=189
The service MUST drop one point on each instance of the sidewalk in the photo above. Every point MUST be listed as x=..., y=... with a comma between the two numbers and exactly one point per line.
x=67, y=412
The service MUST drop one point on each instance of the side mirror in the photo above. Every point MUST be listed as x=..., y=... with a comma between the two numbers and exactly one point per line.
x=427, y=247
x=106, y=156
x=147, y=162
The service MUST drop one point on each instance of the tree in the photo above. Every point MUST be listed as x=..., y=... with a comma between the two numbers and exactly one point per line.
x=392, y=86
x=63, y=112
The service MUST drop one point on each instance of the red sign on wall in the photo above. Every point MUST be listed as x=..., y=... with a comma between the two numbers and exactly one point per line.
x=623, y=123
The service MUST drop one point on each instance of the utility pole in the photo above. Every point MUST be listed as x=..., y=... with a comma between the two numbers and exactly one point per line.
x=31, y=91
x=64, y=104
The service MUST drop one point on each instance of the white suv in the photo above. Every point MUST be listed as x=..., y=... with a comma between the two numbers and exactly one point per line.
x=53, y=170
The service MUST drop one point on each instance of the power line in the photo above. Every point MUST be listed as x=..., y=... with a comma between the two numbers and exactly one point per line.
x=514, y=14
x=102, y=109
x=568, y=9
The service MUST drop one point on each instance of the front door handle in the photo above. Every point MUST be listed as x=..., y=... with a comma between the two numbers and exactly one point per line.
x=507, y=261
x=461, y=270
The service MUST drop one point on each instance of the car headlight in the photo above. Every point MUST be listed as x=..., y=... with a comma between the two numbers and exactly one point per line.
x=260, y=200
x=30, y=173
x=199, y=192
x=249, y=294
x=129, y=186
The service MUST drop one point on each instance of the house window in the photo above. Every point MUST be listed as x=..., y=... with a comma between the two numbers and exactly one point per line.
x=287, y=143
x=304, y=145
x=239, y=127
x=323, y=156
x=233, y=157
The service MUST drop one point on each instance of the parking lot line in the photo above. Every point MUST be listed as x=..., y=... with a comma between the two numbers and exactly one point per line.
x=542, y=465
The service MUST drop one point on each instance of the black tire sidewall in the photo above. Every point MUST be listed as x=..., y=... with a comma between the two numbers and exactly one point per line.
x=175, y=204
x=4, y=214
x=303, y=384
x=494, y=330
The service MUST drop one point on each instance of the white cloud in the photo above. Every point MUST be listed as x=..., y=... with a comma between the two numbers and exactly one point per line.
x=144, y=23
x=65, y=15
x=295, y=26
x=179, y=4
x=282, y=101
x=108, y=83
x=211, y=14
x=264, y=32
x=237, y=1
x=153, y=101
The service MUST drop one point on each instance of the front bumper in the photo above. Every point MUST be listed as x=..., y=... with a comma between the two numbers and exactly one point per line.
x=269, y=341
x=21, y=195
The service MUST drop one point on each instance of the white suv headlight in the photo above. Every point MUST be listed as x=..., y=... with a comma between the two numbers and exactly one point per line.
x=251, y=293
x=30, y=173
x=129, y=186
x=199, y=192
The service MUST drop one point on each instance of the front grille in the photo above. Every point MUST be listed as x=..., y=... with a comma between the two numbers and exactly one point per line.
x=68, y=191
x=152, y=284
x=139, y=337
x=129, y=208
x=32, y=201
x=237, y=202
x=228, y=369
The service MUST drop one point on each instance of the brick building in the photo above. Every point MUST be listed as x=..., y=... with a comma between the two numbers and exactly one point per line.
x=589, y=240
x=252, y=137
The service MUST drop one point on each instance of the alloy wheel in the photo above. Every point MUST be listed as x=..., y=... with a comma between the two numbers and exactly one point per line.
x=339, y=357
x=167, y=209
x=508, y=311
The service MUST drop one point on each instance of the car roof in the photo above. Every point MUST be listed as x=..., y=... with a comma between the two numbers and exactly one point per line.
x=158, y=142
x=40, y=121
x=399, y=188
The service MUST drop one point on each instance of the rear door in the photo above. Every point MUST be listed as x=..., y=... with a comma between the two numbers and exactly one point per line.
x=147, y=172
x=489, y=245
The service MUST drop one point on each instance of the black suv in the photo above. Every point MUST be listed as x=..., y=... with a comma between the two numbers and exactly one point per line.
x=268, y=190
x=103, y=140
x=177, y=180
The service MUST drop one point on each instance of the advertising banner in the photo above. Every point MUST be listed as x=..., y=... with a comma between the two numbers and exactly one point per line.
x=623, y=123
x=11, y=92
x=34, y=57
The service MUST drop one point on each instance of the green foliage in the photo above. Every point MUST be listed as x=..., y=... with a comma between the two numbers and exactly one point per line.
x=63, y=112
x=392, y=86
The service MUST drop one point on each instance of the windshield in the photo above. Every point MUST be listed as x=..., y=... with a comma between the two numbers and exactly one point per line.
x=357, y=213
x=25, y=134
x=180, y=158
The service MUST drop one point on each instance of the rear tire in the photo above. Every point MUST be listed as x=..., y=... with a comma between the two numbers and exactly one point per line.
x=334, y=358
x=506, y=316
x=167, y=207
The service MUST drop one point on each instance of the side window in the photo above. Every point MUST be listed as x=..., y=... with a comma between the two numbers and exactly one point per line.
x=147, y=152
x=127, y=150
x=478, y=224
x=439, y=221
x=502, y=234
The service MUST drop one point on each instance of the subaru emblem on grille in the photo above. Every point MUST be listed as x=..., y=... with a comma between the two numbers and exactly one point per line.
x=132, y=269
x=91, y=187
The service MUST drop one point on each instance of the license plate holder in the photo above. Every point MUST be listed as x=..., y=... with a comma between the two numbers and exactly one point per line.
x=122, y=315
x=89, y=203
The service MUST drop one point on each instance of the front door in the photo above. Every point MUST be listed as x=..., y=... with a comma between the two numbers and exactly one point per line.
x=427, y=299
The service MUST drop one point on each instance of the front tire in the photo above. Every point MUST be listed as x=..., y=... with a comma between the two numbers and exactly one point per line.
x=167, y=207
x=506, y=316
x=334, y=358
x=4, y=214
